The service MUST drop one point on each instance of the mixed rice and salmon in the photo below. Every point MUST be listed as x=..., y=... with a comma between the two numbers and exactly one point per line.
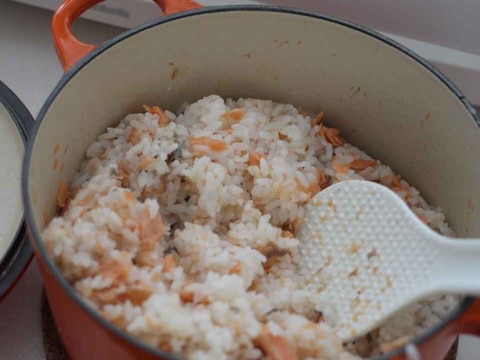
x=180, y=229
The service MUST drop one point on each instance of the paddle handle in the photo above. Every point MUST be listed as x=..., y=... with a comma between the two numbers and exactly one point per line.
x=458, y=264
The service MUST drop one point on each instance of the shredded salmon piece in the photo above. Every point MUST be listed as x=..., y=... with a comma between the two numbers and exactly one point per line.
x=331, y=204
x=271, y=261
x=54, y=165
x=213, y=144
x=230, y=117
x=122, y=173
x=396, y=181
x=235, y=114
x=317, y=120
x=115, y=269
x=137, y=295
x=354, y=248
x=119, y=322
x=145, y=258
x=254, y=286
x=144, y=163
x=151, y=231
x=156, y=277
x=156, y=110
x=121, y=169
x=62, y=194
x=169, y=263
x=328, y=261
x=422, y=218
x=86, y=200
x=372, y=253
x=254, y=159
x=187, y=296
x=310, y=326
x=353, y=273
x=236, y=269
x=99, y=248
x=237, y=328
x=282, y=136
x=310, y=190
x=129, y=196
x=340, y=168
x=323, y=180
x=397, y=186
x=288, y=234
x=275, y=347
x=332, y=135
x=165, y=346
x=362, y=164
x=108, y=296
x=57, y=148
x=133, y=138
x=203, y=301
x=296, y=223
x=314, y=187
x=160, y=189
x=408, y=195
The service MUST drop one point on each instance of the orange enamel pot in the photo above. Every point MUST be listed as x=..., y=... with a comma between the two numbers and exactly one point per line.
x=385, y=100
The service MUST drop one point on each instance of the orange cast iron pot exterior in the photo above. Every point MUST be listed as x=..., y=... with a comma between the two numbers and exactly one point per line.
x=87, y=339
x=85, y=334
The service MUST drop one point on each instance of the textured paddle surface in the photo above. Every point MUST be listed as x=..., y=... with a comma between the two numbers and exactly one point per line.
x=357, y=238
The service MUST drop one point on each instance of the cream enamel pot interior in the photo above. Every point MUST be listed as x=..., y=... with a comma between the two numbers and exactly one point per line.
x=385, y=100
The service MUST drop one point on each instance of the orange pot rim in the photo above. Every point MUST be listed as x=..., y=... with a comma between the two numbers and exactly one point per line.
x=34, y=231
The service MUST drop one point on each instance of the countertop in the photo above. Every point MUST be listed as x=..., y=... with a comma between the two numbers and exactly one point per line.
x=28, y=65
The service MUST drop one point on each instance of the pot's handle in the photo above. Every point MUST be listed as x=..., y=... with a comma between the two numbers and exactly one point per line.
x=69, y=49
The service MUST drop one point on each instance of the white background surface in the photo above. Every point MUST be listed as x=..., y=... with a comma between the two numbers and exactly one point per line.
x=28, y=65
x=422, y=20
x=444, y=32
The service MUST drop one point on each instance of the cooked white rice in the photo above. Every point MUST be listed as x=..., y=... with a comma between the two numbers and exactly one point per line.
x=179, y=229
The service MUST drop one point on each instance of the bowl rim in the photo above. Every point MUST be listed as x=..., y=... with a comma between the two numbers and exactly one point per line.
x=35, y=236
x=14, y=262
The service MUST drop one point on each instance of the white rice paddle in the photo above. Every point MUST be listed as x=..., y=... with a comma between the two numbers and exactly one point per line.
x=366, y=255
